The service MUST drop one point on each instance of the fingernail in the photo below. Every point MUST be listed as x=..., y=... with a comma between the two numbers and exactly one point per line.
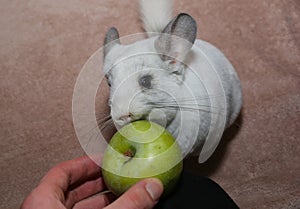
x=154, y=188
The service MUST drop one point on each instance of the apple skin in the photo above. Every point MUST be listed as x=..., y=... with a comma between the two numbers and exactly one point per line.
x=139, y=150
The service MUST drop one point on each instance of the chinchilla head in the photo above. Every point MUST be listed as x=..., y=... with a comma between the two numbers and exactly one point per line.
x=145, y=77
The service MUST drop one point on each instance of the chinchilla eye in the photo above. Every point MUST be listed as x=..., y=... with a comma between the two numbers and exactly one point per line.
x=145, y=81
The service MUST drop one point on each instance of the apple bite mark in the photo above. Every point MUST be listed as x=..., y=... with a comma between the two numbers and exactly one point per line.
x=130, y=154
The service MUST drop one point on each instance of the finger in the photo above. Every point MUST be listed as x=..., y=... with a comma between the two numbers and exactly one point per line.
x=83, y=191
x=41, y=199
x=144, y=194
x=67, y=173
x=97, y=201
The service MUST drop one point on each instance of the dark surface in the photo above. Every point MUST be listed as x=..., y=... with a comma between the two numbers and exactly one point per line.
x=195, y=192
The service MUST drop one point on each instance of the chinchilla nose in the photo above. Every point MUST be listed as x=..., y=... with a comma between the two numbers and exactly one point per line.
x=124, y=119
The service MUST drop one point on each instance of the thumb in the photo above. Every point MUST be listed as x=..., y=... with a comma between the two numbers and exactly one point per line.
x=144, y=194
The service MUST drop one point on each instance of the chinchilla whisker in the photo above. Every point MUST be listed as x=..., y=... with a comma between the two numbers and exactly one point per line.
x=176, y=107
x=90, y=133
x=188, y=101
x=110, y=124
x=106, y=124
x=183, y=99
x=89, y=124
x=197, y=109
x=185, y=105
x=91, y=114
x=92, y=129
x=101, y=114
x=103, y=120
x=94, y=136
x=88, y=127
x=237, y=125
x=101, y=125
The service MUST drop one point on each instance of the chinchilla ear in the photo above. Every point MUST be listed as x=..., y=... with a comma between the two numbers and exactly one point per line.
x=111, y=39
x=177, y=38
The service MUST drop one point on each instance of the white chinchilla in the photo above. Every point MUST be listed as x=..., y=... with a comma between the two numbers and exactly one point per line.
x=174, y=79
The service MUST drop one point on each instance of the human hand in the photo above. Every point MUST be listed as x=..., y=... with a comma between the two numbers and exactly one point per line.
x=74, y=183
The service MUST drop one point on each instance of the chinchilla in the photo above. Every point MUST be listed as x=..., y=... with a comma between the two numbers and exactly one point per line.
x=172, y=78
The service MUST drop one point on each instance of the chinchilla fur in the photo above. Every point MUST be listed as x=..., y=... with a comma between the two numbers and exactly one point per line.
x=174, y=79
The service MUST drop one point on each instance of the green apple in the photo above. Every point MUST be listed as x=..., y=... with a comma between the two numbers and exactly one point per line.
x=139, y=150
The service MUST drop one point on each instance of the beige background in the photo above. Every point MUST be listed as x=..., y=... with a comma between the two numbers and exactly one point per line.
x=45, y=43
